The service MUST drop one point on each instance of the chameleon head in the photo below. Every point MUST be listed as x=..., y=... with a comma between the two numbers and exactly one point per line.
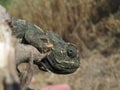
x=63, y=57
x=63, y=61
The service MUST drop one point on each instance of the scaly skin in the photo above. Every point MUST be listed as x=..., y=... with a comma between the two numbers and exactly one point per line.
x=63, y=57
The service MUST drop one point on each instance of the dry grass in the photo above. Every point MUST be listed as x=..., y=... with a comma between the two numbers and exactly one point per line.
x=76, y=19
x=91, y=25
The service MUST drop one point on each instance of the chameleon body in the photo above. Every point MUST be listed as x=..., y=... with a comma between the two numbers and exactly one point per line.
x=63, y=58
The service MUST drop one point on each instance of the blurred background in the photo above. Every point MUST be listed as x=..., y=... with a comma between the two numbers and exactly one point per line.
x=93, y=25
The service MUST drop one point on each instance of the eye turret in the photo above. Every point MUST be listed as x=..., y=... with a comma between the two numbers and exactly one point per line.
x=71, y=51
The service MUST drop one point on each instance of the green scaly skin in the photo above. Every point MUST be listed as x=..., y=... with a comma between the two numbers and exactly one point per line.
x=63, y=57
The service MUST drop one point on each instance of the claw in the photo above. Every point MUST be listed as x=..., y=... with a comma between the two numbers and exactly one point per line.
x=48, y=47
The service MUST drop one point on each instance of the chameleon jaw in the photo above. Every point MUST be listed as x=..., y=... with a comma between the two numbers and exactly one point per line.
x=46, y=65
x=51, y=68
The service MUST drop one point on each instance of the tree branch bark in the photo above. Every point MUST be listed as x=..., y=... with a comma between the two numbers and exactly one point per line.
x=23, y=53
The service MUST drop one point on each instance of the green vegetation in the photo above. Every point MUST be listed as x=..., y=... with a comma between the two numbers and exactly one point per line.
x=5, y=3
x=8, y=3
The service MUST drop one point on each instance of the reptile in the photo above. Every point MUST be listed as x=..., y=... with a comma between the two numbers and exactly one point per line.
x=63, y=57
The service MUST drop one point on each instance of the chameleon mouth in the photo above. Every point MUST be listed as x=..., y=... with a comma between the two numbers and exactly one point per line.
x=45, y=65
x=62, y=65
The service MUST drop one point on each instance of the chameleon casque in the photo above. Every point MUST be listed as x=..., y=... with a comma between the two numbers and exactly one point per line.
x=63, y=57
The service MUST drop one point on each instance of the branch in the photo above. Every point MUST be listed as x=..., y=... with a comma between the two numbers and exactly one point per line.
x=23, y=53
x=26, y=53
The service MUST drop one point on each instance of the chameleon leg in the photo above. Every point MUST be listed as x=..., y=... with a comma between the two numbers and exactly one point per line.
x=48, y=46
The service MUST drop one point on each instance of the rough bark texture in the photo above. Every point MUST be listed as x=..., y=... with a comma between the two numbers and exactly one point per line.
x=24, y=52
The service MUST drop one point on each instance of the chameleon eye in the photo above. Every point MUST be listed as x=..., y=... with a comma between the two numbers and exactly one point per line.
x=71, y=51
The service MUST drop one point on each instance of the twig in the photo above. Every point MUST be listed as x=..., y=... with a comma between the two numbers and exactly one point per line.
x=23, y=53
x=26, y=53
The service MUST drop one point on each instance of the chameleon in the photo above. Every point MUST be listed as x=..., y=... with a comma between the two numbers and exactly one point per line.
x=63, y=57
